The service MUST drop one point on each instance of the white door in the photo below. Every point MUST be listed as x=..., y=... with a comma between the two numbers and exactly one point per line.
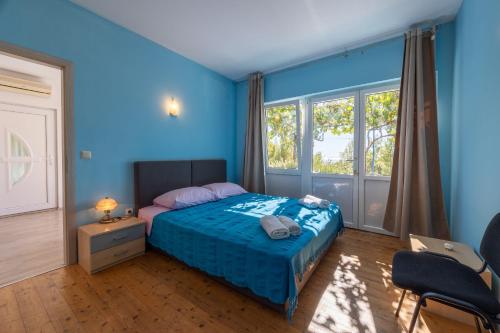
x=338, y=147
x=333, y=152
x=27, y=159
x=352, y=138
x=378, y=121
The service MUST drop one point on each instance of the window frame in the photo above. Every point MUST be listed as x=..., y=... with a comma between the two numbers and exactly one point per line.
x=362, y=127
x=304, y=116
x=280, y=171
x=328, y=97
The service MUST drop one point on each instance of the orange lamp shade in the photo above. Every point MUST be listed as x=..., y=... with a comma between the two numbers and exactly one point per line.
x=106, y=204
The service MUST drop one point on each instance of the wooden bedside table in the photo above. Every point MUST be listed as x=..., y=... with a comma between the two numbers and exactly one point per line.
x=465, y=255
x=103, y=245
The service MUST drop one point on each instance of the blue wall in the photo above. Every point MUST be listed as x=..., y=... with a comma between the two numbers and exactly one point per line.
x=120, y=82
x=476, y=118
x=375, y=63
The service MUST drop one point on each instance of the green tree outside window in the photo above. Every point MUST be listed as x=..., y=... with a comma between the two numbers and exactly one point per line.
x=336, y=118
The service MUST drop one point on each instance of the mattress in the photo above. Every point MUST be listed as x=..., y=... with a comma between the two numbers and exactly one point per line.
x=224, y=238
x=148, y=214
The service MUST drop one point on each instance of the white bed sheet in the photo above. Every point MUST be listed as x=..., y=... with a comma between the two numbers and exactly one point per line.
x=148, y=214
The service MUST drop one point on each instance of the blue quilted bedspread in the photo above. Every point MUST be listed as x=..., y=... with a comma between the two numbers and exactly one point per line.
x=224, y=238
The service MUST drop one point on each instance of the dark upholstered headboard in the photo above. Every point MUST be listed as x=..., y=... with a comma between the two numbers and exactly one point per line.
x=153, y=178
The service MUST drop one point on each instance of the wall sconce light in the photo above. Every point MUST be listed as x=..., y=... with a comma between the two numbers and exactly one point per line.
x=172, y=107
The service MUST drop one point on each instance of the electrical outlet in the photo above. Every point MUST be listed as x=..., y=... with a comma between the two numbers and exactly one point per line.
x=86, y=155
x=129, y=211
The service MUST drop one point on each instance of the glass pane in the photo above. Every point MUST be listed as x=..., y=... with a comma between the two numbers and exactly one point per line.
x=381, y=114
x=333, y=136
x=17, y=171
x=18, y=147
x=282, y=137
x=19, y=151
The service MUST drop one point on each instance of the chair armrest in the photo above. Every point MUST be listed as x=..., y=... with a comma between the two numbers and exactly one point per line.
x=445, y=256
x=478, y=271
x=483, y=268
x=460, y=304
x=484, y=263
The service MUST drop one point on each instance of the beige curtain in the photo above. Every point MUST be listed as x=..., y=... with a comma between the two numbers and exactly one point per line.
x=253, y=168
x=415, y=203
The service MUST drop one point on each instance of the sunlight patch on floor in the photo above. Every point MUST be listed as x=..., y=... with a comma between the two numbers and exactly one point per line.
x=344, y=305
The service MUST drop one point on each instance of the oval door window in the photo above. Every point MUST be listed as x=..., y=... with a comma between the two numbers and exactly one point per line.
x=20, y=159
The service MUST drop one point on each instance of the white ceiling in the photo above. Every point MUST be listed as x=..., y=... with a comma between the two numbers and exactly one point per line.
x=237, y=37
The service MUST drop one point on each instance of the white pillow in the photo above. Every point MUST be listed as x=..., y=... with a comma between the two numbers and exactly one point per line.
x=224, y=190
x=185, y=197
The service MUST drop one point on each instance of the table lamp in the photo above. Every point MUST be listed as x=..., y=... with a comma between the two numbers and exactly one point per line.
x=106, y=205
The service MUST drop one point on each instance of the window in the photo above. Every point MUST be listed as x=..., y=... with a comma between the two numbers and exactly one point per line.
x=346, y=134
x=333, y=135
x=20, y=159
x=282, y=135
x=381, y=112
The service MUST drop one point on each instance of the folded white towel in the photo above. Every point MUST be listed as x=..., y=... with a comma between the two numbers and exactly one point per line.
x=292, y=226
x=273, y=227
x=312, y=202
x=308, y=203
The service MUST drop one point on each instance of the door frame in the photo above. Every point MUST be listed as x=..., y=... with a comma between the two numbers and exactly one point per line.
x=307, y=183
x=361, y=167
x=306, y=157
x=68, y=163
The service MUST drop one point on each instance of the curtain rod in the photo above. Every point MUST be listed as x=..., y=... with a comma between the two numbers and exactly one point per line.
x=361, y=46
x=425, y=28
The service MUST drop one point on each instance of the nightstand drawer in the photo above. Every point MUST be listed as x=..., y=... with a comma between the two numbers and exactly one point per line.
x=117, y=254
x=111, y=239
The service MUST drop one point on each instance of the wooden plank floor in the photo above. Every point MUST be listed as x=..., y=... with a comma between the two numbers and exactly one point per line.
x=30, y=244
x=351, y=291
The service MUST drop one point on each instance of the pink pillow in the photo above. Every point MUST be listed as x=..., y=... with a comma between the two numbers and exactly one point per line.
x=185, y=197
x=224, y=190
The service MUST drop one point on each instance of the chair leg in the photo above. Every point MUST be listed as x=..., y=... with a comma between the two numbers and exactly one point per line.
x=478, y=325
x=493, y=326
x=489, y=324
x=400, y=302
x=415, y=314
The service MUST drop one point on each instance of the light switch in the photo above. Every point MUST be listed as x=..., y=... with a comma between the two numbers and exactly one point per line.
x=86, y=155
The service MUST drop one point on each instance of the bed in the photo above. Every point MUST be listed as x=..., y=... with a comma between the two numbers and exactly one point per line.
x=224, y=239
